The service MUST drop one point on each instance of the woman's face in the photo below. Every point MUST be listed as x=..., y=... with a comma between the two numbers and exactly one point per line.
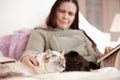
x=65, y=15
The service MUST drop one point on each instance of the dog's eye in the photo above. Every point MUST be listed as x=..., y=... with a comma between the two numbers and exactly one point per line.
x=79, y=63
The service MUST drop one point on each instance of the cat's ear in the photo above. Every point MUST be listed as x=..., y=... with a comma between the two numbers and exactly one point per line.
x=48, y=53
x=62, y=52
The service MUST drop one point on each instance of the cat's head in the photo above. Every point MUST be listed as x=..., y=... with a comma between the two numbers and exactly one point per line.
x=54, y=61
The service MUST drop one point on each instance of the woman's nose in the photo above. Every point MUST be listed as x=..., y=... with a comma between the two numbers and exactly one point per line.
x=65, y=16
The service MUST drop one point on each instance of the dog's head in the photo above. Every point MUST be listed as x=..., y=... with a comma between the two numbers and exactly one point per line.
x=75, y=62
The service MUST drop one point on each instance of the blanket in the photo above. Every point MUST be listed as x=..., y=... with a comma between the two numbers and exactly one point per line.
x=13, y=45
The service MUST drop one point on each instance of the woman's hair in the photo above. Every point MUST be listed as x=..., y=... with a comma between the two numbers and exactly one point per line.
x=52, y=16
x=75, y=25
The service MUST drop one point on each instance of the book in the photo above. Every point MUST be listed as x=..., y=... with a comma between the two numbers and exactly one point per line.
x=108, y=54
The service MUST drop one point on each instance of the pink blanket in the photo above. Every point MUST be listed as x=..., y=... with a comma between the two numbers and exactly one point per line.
x=14, y=45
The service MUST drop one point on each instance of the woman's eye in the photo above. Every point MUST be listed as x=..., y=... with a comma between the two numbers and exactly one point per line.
x=71, y=14
x=61, y=11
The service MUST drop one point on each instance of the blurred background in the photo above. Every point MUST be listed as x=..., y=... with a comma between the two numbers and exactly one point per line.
x=104, y=15
x=99, y=18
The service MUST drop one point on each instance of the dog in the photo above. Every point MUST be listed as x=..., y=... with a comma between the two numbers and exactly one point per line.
x=75, y=62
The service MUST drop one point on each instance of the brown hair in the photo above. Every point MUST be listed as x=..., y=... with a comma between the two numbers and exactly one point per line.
x=75, y=25
x=51, y=18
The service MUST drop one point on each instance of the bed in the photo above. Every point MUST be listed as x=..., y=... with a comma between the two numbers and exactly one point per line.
x=51, y=76
x=72, y=76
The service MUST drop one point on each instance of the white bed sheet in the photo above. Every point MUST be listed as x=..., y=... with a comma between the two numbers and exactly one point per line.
x=73, y=76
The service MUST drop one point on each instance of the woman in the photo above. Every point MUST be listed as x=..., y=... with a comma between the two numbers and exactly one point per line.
x=62, y=33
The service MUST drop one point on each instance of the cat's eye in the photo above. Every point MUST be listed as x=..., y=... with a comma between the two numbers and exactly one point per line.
x=53, y=55
x=58, y=62
x=47, y=58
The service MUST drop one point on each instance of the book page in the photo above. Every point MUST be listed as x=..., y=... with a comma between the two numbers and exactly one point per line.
x=108, y=54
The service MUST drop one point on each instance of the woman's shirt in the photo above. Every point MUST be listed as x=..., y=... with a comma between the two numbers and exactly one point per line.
x=60, y=40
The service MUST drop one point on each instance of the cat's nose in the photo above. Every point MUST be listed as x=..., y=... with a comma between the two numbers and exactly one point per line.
x=63, y=66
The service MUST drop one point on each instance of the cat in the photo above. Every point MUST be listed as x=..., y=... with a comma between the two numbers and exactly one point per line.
x=50, y=61
x=75, y=62
x=14, y=69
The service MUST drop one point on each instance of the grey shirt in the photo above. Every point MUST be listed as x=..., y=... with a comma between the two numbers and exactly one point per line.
x=60, y=40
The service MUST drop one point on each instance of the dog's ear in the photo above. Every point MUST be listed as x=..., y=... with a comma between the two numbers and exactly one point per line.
x=93, y=65
x=71, y=54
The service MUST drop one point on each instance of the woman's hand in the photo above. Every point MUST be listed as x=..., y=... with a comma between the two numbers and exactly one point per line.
x=108, y=49
x=30, y=61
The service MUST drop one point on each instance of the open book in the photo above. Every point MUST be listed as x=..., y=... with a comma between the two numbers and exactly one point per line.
x=108, y=54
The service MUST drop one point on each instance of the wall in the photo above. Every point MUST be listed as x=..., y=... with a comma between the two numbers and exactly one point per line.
x=19, y=14
x=110, y=9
